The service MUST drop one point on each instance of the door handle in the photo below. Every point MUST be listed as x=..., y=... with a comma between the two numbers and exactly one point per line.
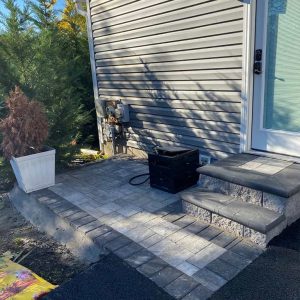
x=258, y=67
x=258, y=61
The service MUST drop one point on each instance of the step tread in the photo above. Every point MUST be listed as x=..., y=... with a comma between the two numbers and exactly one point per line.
x=250, y=215
x=284, y=183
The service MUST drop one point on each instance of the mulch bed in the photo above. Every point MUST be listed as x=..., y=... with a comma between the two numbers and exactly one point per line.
x=35, y=249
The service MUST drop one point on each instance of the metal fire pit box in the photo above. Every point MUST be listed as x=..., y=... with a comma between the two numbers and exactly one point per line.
x=173, y=169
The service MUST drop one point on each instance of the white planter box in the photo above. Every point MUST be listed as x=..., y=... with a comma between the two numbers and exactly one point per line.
x=36, y=171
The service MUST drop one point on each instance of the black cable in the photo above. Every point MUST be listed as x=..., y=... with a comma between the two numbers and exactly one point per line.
x=139, y=183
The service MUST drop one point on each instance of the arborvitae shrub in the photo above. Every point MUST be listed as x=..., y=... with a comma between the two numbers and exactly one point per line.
x=25, y=128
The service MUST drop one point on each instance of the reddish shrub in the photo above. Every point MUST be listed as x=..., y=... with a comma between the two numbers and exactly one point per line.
x=25, y=128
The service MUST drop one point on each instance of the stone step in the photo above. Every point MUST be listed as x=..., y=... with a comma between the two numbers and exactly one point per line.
x=273, y=176
x=240, y=218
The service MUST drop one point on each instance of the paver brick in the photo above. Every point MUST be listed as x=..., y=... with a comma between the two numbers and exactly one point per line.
x=233, y=243
x=137, y=199
x=59, y=202
x=90, y=226
x=106, y=237
x=184, y=221
x=109, y=207
x=161, y=247
x=193, y=243
x=76, y=216
x=152, y=206
x=152, y=240
x=209, y=233
x=124, y=226
x=172, y=217
x=166, y=276
x=111, y=218
x=199, y=293
x=82, y=205
x=170, y=200
x=157, y=195
x=43, y=192
x=163, y=211
x=83, y=221
x=178, y=235
x=129, y=210
x=196, y=227
x=152, y=266
x=89, y=208
x=142, y=217
x=175, y=255
x=139, y=233
x=165, y=228
x=128, y=250
x=69, y=212
x=181, y=286
x=62, y=207
x=139, y=258
x=209, y=279
x=96, y=214
x=74, y=196
x=246, y=250
x=223, y=239
x=187, y=268
x=98, y=231
x=223, y=269
x=117, y=243
x=46, y=199
x=206, y=255
x=175, y=207
x=154, y=222
x=235, y=260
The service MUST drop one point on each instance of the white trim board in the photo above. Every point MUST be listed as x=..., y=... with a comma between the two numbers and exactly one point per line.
x=93, y=69
x=247, y=75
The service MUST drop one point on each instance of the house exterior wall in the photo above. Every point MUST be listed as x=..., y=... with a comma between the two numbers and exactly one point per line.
x=179, y=66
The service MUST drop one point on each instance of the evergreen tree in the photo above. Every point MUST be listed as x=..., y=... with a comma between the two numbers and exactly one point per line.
x=50, y=62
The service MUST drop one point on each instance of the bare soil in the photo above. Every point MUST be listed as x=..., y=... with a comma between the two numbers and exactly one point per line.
x=35, y=249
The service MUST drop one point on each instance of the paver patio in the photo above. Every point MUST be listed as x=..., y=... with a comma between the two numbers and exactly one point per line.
x=146, y=228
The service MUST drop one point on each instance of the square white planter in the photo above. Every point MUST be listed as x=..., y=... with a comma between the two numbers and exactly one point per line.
x=36, y=171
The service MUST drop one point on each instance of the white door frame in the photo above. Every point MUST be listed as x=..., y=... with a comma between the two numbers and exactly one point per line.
x=248, y=84
x=247, y=74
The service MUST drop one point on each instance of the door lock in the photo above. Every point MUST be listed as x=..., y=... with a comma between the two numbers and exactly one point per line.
x=258, y=55
x=258, y=62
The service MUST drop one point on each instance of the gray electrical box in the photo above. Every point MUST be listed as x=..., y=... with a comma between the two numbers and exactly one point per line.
x=122, y=113
x=100, y=108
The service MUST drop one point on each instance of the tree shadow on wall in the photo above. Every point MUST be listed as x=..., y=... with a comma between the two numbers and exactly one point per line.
x=168, y=106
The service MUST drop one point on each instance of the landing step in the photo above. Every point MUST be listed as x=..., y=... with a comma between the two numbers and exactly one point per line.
x=252, y=216
x=278, y=177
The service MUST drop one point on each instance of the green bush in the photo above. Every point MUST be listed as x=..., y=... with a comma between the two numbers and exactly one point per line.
x=47, y=56
x=6, y=175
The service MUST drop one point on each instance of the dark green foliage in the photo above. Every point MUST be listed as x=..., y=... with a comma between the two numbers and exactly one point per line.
x=6, y=175
x=51, y=65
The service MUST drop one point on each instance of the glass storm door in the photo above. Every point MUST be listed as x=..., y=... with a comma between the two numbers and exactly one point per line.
x=276, y=101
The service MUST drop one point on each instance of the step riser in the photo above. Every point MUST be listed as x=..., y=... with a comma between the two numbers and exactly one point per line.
x=269, y=201
x=290, y=207
x=232, y=227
